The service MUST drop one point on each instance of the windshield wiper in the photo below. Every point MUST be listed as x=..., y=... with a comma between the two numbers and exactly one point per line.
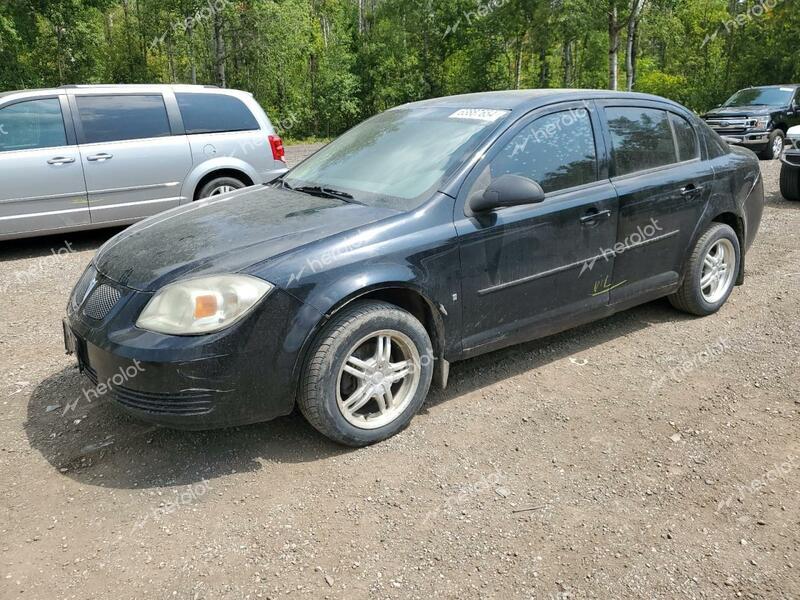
x=324, y=192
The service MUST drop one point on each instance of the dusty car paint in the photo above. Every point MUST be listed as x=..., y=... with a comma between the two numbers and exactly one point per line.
x=482, y=282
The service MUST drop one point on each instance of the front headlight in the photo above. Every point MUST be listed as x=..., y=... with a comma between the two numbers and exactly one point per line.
x=202, y=305
x=761, y=122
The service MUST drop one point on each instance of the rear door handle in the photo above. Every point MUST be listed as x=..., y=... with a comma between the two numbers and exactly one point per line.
x=100, y=157
x=61, y=160
x=593, y=215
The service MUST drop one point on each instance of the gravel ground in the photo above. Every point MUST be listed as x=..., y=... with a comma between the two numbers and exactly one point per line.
x=649, y=455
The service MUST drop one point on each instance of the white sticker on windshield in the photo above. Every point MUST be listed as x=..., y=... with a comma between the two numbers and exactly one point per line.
x=787, y=89
x=479, y=114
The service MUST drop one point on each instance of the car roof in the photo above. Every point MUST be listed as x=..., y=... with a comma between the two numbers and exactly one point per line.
x=524, y=100
x=777, y=85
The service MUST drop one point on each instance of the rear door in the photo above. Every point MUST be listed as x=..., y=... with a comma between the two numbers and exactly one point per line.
x=41, y=180
x=663, y=185
x=135, y=157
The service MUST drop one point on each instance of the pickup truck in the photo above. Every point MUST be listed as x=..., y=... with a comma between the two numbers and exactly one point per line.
x=790, y=169
x=758, y=118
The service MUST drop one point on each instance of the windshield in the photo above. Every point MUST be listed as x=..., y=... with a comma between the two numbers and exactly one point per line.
x=398, y=158
x=772, y=96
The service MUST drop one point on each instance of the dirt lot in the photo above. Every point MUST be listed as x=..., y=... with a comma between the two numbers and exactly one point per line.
x=650, y=455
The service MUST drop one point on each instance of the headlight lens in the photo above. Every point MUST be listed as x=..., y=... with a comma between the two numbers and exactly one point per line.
x=202, y=305
x=761, y=122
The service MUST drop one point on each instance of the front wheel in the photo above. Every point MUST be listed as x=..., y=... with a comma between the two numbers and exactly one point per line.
x=774, y=148
x=369, y=372
x=790, y=182
x=710, y=272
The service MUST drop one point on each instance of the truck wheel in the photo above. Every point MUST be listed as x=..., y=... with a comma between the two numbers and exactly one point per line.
x=710, y=272
x=790, y=182
x=369, y=372
x=774, y=148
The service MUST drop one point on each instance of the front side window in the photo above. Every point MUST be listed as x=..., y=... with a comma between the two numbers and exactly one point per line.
x=641, y=139
x=214, y=113
x=400, y=157
x=123, y=117
x=32, y=124
x=557, y=151
x=685, y=137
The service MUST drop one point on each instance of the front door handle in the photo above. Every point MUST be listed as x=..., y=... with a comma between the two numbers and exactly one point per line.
x=61, y=160
x=102, y=156
x=593, y=215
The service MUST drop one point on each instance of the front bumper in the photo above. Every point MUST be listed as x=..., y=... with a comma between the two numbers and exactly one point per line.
x=791, y=158
x=752, y=140
x=243, y=374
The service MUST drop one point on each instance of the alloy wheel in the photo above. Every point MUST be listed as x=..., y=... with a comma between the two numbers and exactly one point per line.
x=718, y=271
x=378, y=379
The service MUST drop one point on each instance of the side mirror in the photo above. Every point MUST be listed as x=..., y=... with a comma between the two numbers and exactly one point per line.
x=507, y=190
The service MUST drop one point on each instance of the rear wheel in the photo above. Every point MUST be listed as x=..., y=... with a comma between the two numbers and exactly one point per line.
x=710, y=272
x=774, y=148
x=790, y=182
x=219, y=186
x=369, y=373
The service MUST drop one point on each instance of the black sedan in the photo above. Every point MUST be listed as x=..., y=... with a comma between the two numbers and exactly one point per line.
x=433, y=232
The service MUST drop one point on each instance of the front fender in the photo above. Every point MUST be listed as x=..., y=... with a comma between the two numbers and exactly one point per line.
x=216, y=164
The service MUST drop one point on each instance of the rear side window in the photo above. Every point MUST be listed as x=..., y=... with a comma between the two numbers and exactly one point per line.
x=715, y=145
x=685, y=137
x=32, y=124
x=128, y=117
x=214, y=113
x=557, y=151
x=641, y=139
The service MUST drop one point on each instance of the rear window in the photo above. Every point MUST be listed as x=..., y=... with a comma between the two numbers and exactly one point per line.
x=214, y=113
x=688, y=148
x=641, y=139
x=128, y=117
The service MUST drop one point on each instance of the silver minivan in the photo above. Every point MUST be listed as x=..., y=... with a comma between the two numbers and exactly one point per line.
x=83, y=157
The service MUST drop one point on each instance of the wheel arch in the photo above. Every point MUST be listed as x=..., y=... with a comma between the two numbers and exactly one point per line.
x=402, y=294
x=226, y=172
x=736, y=223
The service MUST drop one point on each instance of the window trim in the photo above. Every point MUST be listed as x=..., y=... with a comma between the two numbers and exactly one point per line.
x=602, y=105
x=602, y=158
x=222, y=131
x=699, y=154
x=65, y=117
x=73, y=103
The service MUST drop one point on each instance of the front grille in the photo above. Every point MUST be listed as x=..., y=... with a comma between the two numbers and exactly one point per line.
x=736, y=126
x=101, y=301
x=792, y=158
x=186, y=404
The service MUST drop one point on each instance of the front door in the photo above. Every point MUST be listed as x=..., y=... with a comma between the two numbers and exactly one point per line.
x=40, y=169
x=534, y=269
x=134, y=165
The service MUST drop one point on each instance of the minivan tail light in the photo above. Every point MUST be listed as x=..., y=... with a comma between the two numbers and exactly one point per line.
x=276, y=143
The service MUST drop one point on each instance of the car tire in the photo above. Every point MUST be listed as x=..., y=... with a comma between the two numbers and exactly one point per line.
x=790, y=183
x=332, y=396
x=706, y=263
x=773, y=151
x=219, y=186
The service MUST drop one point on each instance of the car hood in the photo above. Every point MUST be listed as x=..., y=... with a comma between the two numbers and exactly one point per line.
x=224, y=235
x=731, y=111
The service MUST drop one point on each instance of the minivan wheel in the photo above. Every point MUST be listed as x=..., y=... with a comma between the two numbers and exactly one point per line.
x=710, y=272
x=790, y=183
x=219, y=186
x=774, y=148
x=369, y=372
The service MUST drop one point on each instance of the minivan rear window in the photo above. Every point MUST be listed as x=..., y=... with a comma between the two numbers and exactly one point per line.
x=122, y=117
x=214, y=113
